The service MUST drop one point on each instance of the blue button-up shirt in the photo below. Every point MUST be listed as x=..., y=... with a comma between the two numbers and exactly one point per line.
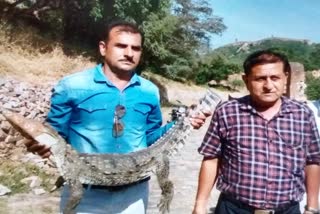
x=83, y=106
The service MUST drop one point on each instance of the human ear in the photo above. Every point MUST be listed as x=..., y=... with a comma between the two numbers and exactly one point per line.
x=244, y=78
x=102, y=48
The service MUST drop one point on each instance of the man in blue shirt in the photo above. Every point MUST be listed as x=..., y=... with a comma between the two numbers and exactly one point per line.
x=110, y=109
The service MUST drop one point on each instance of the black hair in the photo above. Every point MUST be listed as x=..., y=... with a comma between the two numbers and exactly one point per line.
x=265, y=57
x=123, y=25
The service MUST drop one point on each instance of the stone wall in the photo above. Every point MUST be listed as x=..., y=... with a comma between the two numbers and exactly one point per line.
x=316, y=73
x=296, y=82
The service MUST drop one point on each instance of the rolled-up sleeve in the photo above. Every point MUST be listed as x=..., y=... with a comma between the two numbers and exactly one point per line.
x=313, y=149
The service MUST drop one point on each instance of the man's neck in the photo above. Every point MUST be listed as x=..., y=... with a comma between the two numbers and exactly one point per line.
x=268, y=112
x=119, y=78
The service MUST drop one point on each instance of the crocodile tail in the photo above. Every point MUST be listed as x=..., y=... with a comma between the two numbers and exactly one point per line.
x=176, y=137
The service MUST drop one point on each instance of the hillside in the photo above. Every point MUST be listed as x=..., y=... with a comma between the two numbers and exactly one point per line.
x=36, y=63
x=301, y=51
x=28, y=55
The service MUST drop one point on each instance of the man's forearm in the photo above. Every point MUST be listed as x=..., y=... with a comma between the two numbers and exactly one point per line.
x=312, y=185
x=207, y=177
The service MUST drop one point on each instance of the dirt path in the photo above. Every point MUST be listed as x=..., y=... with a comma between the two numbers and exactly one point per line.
x=184, y=174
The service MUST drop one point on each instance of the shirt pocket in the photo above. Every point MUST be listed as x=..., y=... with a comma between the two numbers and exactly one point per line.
x=141, y=108
x=292, y=149
x=293, y=139
x=139, y=115
x=93, y=116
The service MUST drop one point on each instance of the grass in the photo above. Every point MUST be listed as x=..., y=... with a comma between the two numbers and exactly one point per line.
x=14, y=172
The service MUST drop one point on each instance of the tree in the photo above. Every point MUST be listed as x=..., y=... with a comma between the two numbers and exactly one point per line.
x=174, y=30
x=314, y=58
x=140, y=10
x=197, y=20
x=173, y=39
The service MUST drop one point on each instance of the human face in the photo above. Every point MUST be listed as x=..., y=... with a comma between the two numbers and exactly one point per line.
x=122, y=51
x=266, y=84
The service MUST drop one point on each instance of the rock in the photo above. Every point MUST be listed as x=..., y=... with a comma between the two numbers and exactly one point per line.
x=33, y=181
x=5, y=126
x=2, y=146
x=21, y=142
x=1, y=116
x=212, y=83
x=26, y=99
x=3, y=135
x=4, y=190
x=10, y=139
x=30, y=157
x=2, y=81
x=38, y=191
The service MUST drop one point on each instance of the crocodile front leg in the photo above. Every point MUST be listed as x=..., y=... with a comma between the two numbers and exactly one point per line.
x=166, y=186
x=76, y=192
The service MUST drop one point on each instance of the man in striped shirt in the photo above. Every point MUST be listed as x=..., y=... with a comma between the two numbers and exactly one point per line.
x=263, y=149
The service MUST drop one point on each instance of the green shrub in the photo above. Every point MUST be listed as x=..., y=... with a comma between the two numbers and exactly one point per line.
x=237, y=83
x=313, y=88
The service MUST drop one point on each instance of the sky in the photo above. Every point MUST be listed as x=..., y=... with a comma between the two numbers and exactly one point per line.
x=251, y=20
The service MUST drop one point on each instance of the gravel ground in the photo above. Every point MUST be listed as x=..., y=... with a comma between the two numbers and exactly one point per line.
x=184, y=174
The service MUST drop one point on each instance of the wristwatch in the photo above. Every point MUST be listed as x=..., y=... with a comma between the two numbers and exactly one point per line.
x=310, y=210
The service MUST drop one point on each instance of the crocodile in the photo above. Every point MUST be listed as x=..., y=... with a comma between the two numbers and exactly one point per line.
x=114, y=169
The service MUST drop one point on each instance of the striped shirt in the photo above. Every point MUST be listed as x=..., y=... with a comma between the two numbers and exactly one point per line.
x=262, y=162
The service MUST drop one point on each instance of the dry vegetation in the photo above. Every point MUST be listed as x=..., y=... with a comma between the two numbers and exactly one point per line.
x=28, y=56
x=25, y=55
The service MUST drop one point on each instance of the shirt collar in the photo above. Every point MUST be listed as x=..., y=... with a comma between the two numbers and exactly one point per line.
x=245, y=104
x=286, y=106
x=100, y=77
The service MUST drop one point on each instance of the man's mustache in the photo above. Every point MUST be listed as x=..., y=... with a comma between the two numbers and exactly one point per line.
x=127, y=60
